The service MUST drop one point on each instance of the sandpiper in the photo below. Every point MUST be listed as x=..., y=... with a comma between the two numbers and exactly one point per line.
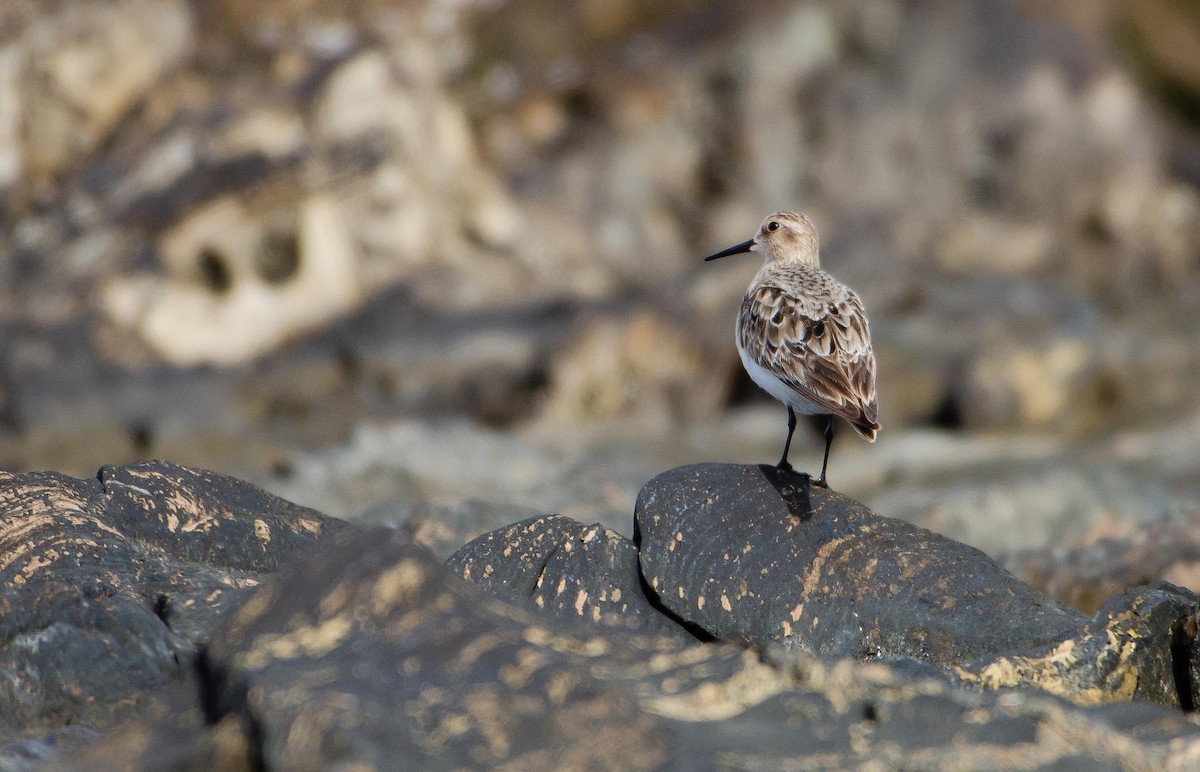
x=803, y=335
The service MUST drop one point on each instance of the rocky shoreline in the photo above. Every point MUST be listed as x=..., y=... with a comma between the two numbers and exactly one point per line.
x=162, y=615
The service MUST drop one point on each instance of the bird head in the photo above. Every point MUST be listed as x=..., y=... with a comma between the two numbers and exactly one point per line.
x=782, y=237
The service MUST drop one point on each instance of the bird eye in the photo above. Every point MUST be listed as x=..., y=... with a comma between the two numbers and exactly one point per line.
x=772, y=226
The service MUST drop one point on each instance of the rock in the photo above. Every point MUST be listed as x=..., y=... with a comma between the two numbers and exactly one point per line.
x=971, y=248
x=379, y=131
x=749, y=553
x=241, y=289
x=1106, y=560
x=1140, y=645
x=110, y=584
x=642, y=368
x=443, y=528
x=1078, y=385
x=450, y=462
x=34, y=754
x=566, y=569
x=374, y=654
x=1058, y=503
x=1159, y=36
x=424, y=461
x=754, y=554
x=10, y=116
x=91, y=64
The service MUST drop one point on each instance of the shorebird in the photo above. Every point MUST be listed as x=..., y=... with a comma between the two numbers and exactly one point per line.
x=803, y=335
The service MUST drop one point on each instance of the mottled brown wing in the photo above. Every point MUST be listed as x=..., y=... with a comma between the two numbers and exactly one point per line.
x=818, y=345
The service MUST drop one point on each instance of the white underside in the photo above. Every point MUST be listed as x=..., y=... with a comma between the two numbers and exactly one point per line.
x=769, y=383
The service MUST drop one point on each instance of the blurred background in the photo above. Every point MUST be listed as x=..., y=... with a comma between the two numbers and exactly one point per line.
x=438, y=262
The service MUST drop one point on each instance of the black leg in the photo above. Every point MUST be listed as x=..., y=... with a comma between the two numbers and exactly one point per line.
x=783, y=462
x=828, y=444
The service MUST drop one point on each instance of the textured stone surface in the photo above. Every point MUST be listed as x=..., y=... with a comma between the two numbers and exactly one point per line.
x=110, y=584
x=377, y=655
x=565, y=568
x=1140, y=645
x=752, y=553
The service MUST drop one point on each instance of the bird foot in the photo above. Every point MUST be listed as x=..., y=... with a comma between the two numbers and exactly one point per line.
x=820, y=482
x=784, y=466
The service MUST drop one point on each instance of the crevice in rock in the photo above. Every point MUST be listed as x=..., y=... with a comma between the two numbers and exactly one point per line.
x=209, y=681
x=537, y=582
x=948, y=413
x=254, y=740
x=214, y=271
x=696, y=631
x=1183, y=639
x=162, y=609
x=220, y=696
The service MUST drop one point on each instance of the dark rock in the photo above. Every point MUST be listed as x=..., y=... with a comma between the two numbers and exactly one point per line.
x=444, y=527
x=758, y=555
x=565, y=568
x=33, y=753
x=750, y=553
x=376, y=655
x=110, y=584
x=1140, y=645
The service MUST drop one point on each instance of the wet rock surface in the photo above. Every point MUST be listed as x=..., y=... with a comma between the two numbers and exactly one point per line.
x=111, y=584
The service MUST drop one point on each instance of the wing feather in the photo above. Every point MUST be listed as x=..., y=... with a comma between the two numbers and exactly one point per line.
x=819, y=345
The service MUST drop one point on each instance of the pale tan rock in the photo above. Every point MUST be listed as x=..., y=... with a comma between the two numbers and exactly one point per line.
x=988, y=244
x=356, y=98
x=436, y=197
x=10, y=115
x=239, y=314
x=91, y=64
x=644, y=367
x=271, y=133
x=1028, y=387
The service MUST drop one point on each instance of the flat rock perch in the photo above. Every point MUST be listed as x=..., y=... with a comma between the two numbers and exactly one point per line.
x=754, y=554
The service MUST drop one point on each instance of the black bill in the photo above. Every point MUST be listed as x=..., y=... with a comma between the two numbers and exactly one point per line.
x=734, y=250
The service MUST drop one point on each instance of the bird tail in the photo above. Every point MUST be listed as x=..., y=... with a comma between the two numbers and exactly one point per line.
x=868, y=432
x=866, y=422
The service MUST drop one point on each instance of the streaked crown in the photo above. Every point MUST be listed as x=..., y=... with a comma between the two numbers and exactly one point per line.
x=787, y=237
